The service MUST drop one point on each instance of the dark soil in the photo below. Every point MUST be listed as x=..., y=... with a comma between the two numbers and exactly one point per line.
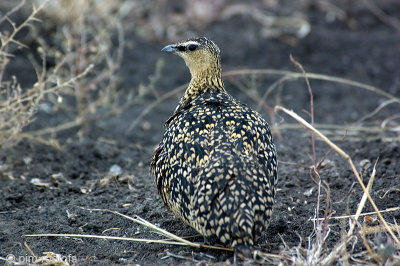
x=367, y=53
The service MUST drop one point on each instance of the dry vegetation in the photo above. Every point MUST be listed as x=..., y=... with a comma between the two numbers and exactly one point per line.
x=76, y=70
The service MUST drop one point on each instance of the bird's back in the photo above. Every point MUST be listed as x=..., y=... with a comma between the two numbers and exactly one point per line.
x=216, y=168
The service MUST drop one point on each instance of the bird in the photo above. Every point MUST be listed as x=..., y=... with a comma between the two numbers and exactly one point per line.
x=216, y=165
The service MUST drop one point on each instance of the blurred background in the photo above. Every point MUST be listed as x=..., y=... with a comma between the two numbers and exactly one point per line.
x=95, y=59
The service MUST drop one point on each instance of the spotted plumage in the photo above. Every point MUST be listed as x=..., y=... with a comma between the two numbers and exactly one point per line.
x=216, y=166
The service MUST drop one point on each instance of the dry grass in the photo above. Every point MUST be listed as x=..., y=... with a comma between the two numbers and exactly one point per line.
x=17, y=106
x=86, y=48
x=171, y=238
x=91, y=33
x=317, y=253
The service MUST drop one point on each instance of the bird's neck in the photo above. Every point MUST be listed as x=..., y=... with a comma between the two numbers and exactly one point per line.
x=209, y=80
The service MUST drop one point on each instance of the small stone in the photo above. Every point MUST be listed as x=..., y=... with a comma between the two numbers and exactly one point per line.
x=115, y=170
x=146, y=126
x=38, y=182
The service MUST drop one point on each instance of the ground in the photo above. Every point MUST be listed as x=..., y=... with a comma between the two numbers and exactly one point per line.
x=77, y=177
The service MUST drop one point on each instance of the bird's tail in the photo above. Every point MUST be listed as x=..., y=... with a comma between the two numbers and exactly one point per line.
x=242, y=230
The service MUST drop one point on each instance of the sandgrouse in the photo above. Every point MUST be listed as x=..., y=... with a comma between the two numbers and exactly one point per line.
x=216, y=165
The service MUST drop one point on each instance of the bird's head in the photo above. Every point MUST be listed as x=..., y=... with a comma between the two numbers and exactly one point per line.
x=200, y=54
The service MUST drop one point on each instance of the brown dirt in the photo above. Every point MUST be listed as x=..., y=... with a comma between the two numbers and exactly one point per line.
x=368, y=54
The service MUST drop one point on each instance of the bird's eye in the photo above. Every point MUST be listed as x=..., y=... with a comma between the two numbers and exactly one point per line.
x=192, y=47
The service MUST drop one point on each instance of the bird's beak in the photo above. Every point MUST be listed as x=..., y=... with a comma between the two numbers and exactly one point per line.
x=169, y=49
